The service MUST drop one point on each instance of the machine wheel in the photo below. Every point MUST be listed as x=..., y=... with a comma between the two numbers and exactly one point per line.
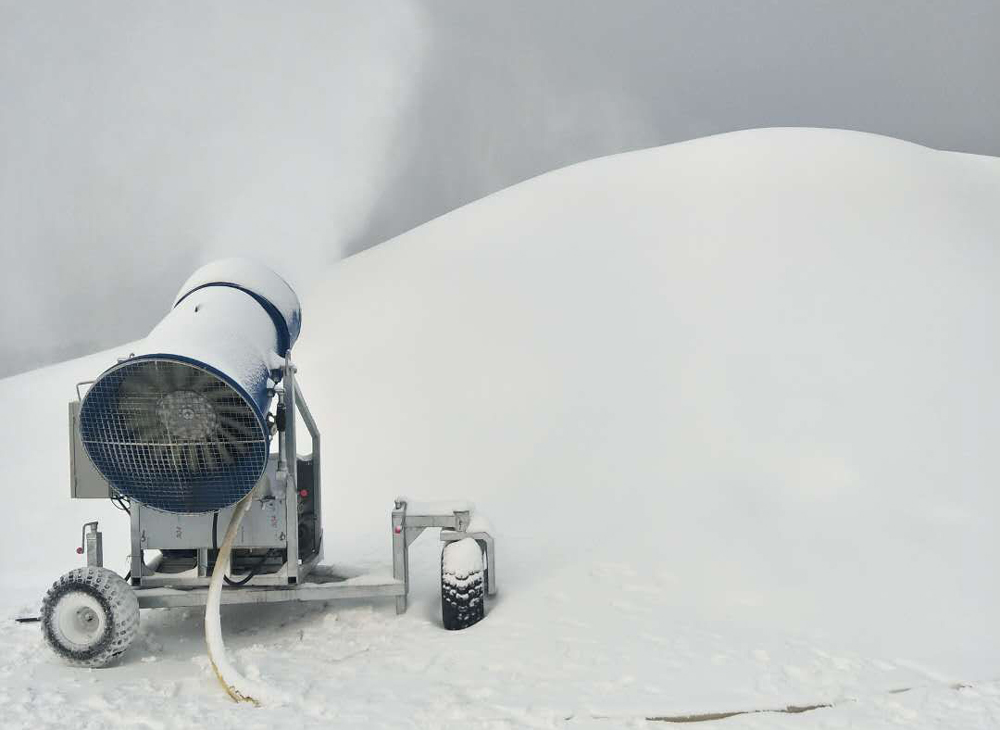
x=90, y=617
x=463, y=584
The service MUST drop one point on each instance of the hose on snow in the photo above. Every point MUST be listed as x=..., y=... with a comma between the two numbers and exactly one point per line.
x=238, y=687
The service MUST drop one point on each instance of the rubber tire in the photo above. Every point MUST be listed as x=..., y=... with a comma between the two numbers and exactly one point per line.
x=111, y=596
x=463, y=597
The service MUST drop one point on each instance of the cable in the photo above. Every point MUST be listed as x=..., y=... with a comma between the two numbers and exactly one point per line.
x=253, y=571
x=120, y=502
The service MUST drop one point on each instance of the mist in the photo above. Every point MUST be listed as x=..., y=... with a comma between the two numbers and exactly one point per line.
x=139, y=140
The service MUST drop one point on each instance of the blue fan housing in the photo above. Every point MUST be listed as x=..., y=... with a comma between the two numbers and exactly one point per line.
x=183, y=427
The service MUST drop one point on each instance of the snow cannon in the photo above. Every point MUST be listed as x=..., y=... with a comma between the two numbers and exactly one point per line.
x=195, y=438
x=182, y=426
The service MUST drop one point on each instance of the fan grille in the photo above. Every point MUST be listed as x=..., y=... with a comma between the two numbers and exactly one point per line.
x=173, y=436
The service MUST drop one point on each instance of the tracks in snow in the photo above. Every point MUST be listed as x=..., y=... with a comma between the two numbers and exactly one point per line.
x=788, y=710
x=710, y=716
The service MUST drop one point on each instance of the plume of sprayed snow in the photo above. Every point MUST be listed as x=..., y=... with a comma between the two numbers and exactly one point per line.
x=150, y=139
x=138, y=141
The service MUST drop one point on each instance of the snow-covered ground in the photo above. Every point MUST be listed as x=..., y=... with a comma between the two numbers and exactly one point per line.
x=730, y=405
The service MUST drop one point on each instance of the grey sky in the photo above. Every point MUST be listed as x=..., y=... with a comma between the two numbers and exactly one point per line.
x=137, y=140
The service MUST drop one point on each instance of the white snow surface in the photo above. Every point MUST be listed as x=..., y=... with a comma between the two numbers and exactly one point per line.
x=253, y=276
x=462, y=558
x=222, y=327
x=730, y=404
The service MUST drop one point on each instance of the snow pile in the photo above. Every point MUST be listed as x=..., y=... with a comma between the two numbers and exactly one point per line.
x=462, y=559
x=757, y=367
x=730, y=404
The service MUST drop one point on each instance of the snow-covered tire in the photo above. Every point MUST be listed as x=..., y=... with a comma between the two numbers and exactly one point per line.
x=463, y=584
x=90, y=617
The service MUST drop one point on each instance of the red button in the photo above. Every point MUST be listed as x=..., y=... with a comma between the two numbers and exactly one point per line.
x=79, y=551
x=303, y=493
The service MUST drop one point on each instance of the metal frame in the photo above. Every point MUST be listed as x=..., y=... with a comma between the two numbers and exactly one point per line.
x=295, y=580
x=327, y=584
x=454, y=524
x=294, y=570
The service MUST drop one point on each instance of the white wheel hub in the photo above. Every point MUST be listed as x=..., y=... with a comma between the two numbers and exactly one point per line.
x=80, y=620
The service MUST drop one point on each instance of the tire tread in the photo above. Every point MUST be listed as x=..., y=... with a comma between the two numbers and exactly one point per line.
x=114, y=595
x=463, y=597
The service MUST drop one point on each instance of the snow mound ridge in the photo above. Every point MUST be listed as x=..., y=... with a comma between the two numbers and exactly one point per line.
x=760, y=361
x=730, y=404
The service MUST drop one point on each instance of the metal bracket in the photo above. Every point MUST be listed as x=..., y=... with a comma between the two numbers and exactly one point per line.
x=79, y=397
x=92, y=543
x=454, y=521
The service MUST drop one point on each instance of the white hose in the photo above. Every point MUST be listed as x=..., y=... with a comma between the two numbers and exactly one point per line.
x=238, y=687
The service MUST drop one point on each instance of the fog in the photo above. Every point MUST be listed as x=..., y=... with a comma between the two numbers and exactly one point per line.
x=138, y=140
x=141, y=139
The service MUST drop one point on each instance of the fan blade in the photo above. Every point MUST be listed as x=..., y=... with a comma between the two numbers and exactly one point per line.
x=172, y=376
x=235, y=440
x=133, y=386
x=192, y=458
x=145, y=425
x=199, y=381
x=133, y=404
x=172, y=458
x=242, y=423
x=152, y=376
x=211, y=463
x=224, y=454
x=223, y=398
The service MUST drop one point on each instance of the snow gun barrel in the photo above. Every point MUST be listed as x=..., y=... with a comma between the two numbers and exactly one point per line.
x=182, y=425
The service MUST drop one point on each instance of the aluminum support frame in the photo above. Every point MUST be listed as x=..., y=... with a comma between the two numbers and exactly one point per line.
x=294, y=570
x=295, y=580
x=454, y=522
x=293, y=574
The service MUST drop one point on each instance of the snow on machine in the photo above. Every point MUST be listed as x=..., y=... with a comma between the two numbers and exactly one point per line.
x=180, y=437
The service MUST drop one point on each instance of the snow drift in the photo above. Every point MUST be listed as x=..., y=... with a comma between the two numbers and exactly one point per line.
x=761, y=366
x=730, y=404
